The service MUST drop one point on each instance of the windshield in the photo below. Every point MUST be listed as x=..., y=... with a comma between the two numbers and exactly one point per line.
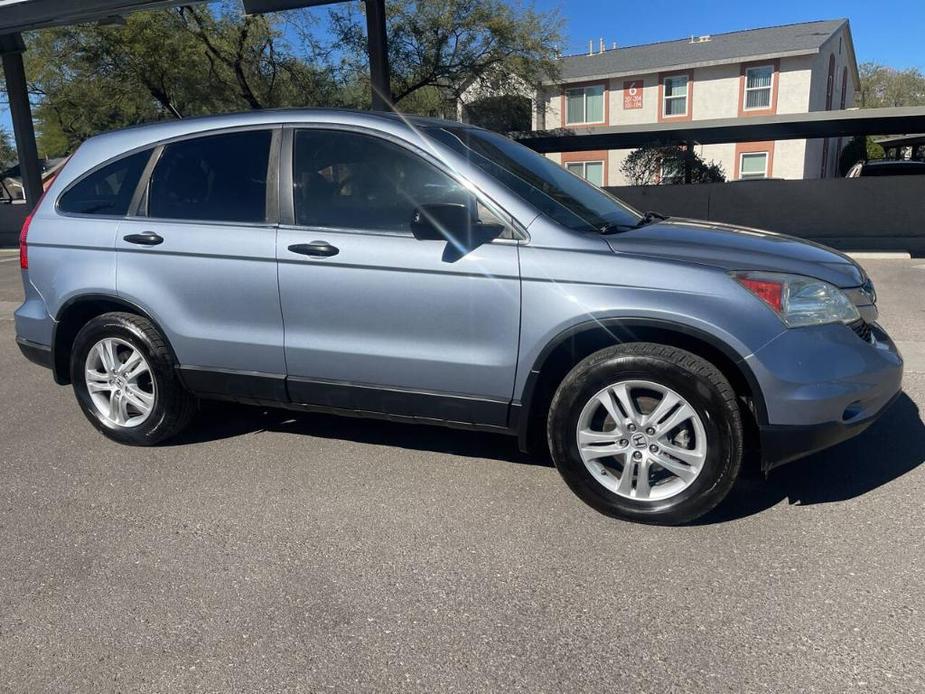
x=568, y=199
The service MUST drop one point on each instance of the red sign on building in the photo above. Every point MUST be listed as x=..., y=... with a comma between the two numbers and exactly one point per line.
x=632, y=94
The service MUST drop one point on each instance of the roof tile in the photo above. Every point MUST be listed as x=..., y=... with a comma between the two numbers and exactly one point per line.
x=733, y=46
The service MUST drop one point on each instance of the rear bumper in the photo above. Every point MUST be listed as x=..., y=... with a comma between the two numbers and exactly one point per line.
x=783, y=444
x=34, y=352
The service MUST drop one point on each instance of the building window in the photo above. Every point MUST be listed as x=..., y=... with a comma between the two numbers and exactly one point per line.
x=591, y=171
x=585, y=105
x=753, y=165
x=758, y=87
x=675, y=88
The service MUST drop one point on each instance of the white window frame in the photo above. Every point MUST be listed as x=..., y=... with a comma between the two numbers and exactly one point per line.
x=584, y=169
x=752, y=177
x=747, y=89
x=665, y=97
x=584, y=104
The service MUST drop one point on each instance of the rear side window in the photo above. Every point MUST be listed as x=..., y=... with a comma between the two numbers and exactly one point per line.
x=219, y=178
x=106, y=191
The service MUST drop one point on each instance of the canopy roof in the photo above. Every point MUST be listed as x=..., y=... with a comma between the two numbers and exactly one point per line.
x=28, y=15
x=787, y=126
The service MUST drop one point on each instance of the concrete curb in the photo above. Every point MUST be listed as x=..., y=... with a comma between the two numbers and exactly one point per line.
x=879, y=255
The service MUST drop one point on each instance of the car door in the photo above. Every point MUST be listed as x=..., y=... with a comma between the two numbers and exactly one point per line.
x=375, y=319
x=200, y=258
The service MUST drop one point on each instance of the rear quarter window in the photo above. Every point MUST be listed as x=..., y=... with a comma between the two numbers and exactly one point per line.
x=107, y=191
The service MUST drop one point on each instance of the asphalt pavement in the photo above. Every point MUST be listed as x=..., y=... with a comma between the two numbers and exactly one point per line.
x=268, y=550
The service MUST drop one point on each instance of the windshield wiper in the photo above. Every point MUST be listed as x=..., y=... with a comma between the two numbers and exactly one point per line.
x=647, y=218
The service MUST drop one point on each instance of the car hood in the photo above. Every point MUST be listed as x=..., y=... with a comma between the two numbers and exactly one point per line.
x=737, y=248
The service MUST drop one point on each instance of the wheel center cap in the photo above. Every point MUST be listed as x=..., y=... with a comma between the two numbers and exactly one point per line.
x=639, y=440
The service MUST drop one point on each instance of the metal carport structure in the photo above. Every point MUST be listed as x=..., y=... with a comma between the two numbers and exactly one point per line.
x=17, y=16
x=785, y=126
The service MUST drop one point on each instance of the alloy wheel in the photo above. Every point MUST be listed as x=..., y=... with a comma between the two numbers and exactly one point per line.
x=120, y=382
x=641, y=440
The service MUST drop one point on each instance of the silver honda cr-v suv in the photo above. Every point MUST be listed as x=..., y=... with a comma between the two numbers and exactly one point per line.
x=428, y=271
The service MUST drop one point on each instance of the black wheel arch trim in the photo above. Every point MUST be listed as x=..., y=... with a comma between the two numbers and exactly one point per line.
x=521, y=409
x=60, y=371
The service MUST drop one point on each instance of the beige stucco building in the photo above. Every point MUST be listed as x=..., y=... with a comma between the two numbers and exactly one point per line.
x=787, y=69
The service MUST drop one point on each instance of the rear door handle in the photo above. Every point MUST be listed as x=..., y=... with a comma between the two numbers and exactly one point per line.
x=148, y=238
x=316, y=248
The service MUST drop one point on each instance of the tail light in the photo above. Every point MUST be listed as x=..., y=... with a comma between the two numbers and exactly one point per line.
x=23, y=245
x=24, y=232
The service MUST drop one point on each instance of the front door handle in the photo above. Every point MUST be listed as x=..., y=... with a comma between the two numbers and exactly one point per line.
x=148, y=238
x=316, y=248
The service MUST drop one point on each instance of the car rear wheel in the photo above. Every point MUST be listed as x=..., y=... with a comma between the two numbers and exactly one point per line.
x=125, y=382
x=647, y=432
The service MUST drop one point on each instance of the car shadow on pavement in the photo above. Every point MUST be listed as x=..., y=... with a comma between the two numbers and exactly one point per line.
x=219, y=420
x=891, y=447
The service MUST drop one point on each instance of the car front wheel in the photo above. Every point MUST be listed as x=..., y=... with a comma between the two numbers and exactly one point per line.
x=647, y=432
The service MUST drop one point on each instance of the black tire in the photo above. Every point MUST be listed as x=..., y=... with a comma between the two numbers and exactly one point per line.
x=690, y=376
x=173, y=407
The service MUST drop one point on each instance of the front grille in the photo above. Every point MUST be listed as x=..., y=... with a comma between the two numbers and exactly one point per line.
x=862, y=329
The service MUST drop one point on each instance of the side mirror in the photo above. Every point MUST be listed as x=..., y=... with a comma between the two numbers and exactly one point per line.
x=453, y=223
x=441, y=222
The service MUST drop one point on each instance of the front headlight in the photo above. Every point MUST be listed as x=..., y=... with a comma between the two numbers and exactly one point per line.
x=799, y=300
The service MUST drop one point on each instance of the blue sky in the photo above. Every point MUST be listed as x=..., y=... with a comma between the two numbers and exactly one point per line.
x=885, y=31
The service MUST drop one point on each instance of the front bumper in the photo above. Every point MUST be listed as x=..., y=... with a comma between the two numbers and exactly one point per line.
x=782, y=444
x=823, y=386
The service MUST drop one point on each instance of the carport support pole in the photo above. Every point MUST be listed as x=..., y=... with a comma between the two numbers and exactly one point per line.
x=378, y=55
x=12, y=47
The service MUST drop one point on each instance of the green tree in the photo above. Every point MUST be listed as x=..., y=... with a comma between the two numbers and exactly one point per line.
x=654, y=164
x=438, y=49
x=210, y=58
x=882, y=86
x=163, y=64
x=8, y=155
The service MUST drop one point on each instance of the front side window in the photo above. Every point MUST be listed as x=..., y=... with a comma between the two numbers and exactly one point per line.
x=591, y=171
x=585, y=105
x=219, y=178
x=538, y=181
x=753, y=165
x=758, y=87
x=347, y=180
x=675, y=88
x=107, y=191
